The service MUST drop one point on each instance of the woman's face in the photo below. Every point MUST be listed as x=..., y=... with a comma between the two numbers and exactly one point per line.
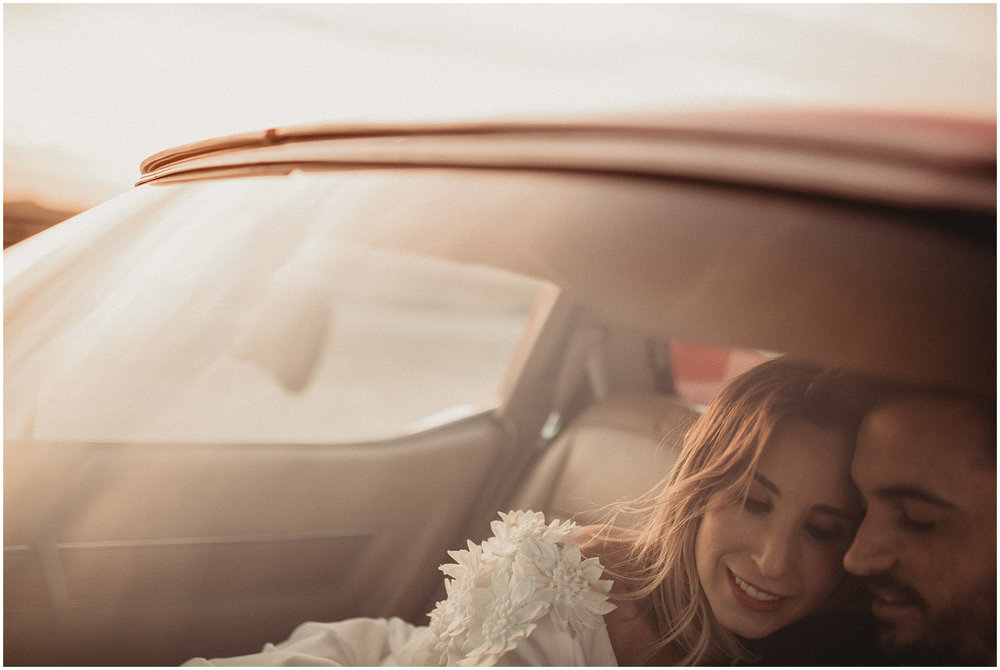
x=772, y=560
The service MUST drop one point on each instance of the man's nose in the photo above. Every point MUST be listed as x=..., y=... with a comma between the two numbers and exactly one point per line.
x=871, y=552
x=773, y=553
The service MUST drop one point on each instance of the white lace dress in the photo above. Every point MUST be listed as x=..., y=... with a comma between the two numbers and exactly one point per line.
x=523, y=597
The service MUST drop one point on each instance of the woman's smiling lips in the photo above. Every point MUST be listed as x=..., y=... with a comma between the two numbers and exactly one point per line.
x=752, y=597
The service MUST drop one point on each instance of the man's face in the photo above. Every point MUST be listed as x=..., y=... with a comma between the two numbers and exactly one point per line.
x=927, y=544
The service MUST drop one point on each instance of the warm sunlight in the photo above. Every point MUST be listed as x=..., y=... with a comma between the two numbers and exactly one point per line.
x=298, y=297
x=91, y=90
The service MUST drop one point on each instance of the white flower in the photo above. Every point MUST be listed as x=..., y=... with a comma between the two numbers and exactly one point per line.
x=516, y=527
x=451, y=616
x=498, y=591
x=575, y=588
x=505, y=614
x=467, y=565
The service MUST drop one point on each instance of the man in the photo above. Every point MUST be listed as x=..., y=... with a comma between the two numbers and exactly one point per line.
x=926, y=467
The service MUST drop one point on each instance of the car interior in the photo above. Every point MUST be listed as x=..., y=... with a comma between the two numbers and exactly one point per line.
x=274, y=535
x=130, y=552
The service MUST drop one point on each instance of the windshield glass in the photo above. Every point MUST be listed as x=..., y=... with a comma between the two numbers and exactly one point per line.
x=229, y=311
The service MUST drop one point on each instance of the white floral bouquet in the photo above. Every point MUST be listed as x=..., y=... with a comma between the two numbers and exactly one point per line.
x=499, y=590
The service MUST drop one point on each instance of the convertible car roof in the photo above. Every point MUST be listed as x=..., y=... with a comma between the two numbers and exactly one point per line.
x=859, y=238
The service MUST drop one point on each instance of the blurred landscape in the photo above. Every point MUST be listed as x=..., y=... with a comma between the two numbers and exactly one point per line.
x=43, y=186
x=22, y=219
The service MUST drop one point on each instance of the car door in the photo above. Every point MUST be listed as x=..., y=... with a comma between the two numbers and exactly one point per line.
x=176, y=519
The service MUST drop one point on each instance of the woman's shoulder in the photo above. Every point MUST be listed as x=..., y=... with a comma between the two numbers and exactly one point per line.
x=611, y=546
x=501, y=589
x=631, y=626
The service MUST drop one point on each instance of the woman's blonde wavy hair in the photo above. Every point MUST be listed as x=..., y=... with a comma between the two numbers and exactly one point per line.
x=720, y=453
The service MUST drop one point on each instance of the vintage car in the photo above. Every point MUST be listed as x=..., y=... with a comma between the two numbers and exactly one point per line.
x=281, y=377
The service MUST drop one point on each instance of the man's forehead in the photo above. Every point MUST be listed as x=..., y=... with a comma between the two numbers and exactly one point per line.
x=923, y=442
x=941, y=407
x=928, y=422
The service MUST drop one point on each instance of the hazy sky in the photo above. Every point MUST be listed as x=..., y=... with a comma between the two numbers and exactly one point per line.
x=91, y=90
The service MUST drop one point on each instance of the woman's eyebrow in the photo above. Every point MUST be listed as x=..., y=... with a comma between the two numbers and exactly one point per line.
x=826, y=509
x=767, y=483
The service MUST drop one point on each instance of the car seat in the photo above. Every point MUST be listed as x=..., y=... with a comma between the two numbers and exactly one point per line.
x=612, y=452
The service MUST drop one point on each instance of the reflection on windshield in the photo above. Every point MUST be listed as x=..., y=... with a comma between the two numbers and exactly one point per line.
x=228, y=311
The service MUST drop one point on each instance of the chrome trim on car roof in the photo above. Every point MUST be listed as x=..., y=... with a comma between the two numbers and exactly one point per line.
x=905, y=160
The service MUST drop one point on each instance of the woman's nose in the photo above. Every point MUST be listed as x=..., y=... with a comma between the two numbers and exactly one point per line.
x=871, y=552
x=774, y=553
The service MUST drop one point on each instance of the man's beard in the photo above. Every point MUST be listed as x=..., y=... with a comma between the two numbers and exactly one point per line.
x=964, y=633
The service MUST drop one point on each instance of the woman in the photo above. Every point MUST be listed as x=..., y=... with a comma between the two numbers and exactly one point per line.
x=750, y=528
x=745, y=537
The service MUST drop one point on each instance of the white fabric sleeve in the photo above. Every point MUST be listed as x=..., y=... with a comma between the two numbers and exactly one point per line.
x=526, y=596
x=352, y=642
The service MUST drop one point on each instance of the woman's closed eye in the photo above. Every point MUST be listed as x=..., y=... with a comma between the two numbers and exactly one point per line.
x=827, y=532
x=756, y=505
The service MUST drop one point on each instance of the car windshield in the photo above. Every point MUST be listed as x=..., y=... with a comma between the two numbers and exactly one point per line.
x=227, y=311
